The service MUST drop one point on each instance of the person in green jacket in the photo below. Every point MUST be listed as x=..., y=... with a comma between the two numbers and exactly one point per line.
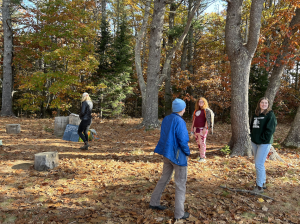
x=262, y=128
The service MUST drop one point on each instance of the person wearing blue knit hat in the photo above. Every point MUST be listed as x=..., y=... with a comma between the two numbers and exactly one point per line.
x=173, y=146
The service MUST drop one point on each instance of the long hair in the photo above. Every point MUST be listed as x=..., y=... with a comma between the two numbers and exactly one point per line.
x=85, y=97
x=205, y=106
x=258, y=110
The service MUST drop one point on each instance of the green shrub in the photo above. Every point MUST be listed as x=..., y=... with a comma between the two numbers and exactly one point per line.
x=225, y=150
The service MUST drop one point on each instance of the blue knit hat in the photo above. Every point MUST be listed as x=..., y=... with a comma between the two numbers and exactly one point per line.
x=178, y=105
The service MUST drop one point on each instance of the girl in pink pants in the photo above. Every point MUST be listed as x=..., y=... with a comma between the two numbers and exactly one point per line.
x=202, y=121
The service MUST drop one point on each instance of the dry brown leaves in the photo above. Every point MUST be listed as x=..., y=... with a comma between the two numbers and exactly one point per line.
x=112, y=182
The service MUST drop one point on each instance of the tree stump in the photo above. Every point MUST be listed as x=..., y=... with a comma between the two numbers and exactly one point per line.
x=74, y=119
x=60, y=125
x=45, y=160
x=273, y=155
x=13, y=128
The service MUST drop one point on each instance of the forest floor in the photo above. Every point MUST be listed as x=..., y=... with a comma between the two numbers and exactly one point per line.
x=112, y=182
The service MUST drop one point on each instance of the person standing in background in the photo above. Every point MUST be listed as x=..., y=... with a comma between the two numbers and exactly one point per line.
x=203, y=120
x=262, y=128
x=86, y=119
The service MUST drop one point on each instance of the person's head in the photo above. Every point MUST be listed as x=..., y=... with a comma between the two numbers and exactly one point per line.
x=85, y=97
x=201, y=103
x=178, y=106
x=263, y=106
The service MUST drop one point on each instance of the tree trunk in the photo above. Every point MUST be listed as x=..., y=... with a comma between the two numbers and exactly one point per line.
x=280, y=63
x=138, y=61
x=168, y=86
x=150, y=118
x=293, y=137
x=7, y=60
x=240, y=57
x=154, y=78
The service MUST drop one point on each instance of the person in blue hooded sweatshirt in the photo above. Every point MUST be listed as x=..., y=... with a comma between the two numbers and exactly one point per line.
x=173, y=146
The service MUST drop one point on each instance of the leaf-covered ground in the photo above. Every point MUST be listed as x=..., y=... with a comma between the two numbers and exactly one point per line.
x=112, y=182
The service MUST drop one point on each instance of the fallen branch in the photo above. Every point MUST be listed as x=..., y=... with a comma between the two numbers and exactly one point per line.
x=247, y=191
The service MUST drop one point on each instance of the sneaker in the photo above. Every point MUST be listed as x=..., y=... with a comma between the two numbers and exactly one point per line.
x=258, y=189
x=85, y=147
x=185, y=216
x=202, y=160
x=264, y=186
x=159, y=207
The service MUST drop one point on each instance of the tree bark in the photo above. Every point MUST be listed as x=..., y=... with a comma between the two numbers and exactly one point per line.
x=280, y=63
x=240, y=57
x=138, y=61
x=154, y=78
x=168, y=87
x=293, y=137
x=150, y=118
x=7, y=84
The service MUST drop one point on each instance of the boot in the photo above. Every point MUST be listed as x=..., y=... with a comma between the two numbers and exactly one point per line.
x=86, y=146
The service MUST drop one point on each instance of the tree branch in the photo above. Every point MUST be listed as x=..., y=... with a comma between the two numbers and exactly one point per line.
x=247, y=191
x=175, y=48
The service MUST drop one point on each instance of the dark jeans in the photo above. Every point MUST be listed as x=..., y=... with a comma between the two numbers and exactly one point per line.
x=83, y=128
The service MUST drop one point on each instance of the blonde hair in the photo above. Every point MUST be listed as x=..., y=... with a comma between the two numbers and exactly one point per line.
x=85, y=97
x=258, y=110
x=205, y=106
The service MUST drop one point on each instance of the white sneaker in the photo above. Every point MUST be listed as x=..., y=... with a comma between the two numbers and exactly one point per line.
x=202, y=160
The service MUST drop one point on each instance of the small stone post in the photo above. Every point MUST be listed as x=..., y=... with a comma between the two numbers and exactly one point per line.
x=45, y=160
x=13, y=128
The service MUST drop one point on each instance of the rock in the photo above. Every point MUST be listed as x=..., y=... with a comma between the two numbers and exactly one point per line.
x=273, y=155
x=13, y=128
x=45, y=161
x=60, y=125
x=74, y=119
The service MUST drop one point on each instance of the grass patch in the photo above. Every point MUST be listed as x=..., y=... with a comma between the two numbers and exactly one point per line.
x=47, y=129
x=248, y=215
x=10, y=219
x=6, y=203
x=225, y=193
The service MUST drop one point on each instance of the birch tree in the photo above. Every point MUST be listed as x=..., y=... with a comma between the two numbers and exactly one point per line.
x=240, y=56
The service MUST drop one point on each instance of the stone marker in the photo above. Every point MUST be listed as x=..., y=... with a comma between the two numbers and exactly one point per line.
x=45, y=160
x=74, y=119
x=13, y=128
x=60, y=125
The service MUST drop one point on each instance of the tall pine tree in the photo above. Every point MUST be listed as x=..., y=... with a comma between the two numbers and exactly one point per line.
x=115, y=68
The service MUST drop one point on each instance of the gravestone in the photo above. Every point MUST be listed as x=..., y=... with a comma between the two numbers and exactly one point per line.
x=60, y=125
x=45, y=161
x=74, y=119
x=13, y=128
x=71, y=133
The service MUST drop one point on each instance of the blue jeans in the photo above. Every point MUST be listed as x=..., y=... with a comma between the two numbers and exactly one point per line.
x=260, y=153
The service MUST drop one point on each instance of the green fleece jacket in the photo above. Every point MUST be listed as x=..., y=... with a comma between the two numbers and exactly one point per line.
x=262, y=128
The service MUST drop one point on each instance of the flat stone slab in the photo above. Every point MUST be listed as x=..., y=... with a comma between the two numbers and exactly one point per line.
x=13, y=128
x=45, y=161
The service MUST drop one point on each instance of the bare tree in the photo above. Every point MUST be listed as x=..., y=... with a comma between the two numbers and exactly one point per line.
x=154, y=76
x=280, y=63
x=240, y=56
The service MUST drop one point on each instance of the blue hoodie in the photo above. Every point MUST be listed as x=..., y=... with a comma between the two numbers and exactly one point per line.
x=174, y=138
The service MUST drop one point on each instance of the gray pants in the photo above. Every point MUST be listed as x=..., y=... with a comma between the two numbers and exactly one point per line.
x=180, y=181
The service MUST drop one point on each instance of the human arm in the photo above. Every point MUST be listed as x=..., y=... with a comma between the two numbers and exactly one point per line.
x=182, y=137
x=192, y=128
x=83, y=109
x=269, y=129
